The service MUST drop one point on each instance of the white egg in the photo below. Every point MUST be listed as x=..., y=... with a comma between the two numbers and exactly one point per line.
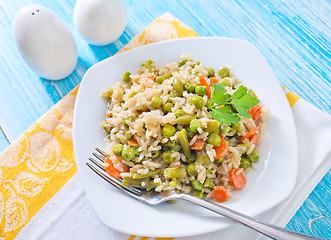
x=45, y=42
x=100, y=22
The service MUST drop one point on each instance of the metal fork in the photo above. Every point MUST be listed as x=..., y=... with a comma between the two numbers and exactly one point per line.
x=269, y=230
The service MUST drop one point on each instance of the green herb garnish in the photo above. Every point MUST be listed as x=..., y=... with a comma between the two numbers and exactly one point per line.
x=228, y=109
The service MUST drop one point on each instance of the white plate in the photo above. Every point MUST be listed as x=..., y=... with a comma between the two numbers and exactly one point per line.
x=266, y=187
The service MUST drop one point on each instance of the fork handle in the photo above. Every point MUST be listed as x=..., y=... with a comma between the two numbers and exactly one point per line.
x=269, y=230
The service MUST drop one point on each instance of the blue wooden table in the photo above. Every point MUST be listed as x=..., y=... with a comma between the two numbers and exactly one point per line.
x=294, y=36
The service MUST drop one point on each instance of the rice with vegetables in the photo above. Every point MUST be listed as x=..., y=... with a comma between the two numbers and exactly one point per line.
x=182, y=127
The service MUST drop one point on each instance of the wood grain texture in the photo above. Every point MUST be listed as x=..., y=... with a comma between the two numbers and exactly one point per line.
x=294, y=37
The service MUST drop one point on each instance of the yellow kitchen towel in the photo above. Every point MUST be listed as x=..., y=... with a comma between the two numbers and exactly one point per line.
x=39, y=163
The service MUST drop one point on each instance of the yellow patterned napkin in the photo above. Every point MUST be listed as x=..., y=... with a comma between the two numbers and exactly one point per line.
x=39, y=163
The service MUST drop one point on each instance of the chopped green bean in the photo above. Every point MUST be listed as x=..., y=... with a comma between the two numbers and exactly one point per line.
x=195, y=124
x=191, y=170
x=147, y=64
x=117, y=149
x=168, y=130
x=140, y=183
x=237, y=127
x=209, y=183
x=185, y=120
x=126, y=77
x=147, y=175
x=197, y=185
x=192, y=158
x=170, y=143
x=178, y=86
x=253, y=156
x=175, y=172
x=108, y=93
x=183, y=141
x=160, y=79
x=218, y=160
x=228, y=131
x=223, y=72
x=181, y=62
x=128, y=135
x=198, y=194
x=202, y=158
x=245, y=147
x=189, y=132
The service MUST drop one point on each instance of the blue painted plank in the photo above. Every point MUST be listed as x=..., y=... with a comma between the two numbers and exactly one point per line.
x=314, y=216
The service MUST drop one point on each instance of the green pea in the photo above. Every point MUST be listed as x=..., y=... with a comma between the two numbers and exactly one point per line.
x=197, y=185
x=178, y=86
x=126, y=76
x=245, y=147
x=227, y=131
x=191, y=170
x=128, y=154
x=147, y=64
x=156, y=153
x=226, y=82
x=179, y=113
x=197, y=101
x=175, y=172
x=131, y=119
x=176, y=147
x=200, y=90
x=214, y=139
x=168, y=130
x=223, y=72
x=253, y=156
x=117, y=149
x=185, y=120
x=211, y=72
x=156, y=101
x=244, y=163
x=170, y=143
x=136, y=151
x=189, y=87
x=218, y=160
x=192, y=158
x=198, y=194
x=166, y=156
x=237, y=127
x=181, y=62
x=195, y=124
x=128, y=135
x=213, y=125
x=167, y=107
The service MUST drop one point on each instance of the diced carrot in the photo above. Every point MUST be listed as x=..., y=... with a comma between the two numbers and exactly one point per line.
x=222, y=149
x=109, y=114
x=198, y=144
x=133, y=143
x=213, y=80
x=220, y=194
x=111, y=170
x=255, y=111
x=152, y=78
x=237, y=181
x=251, y=134
x=255, y=139
x=203, y=82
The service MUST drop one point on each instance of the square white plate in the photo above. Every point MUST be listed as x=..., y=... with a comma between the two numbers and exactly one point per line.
x=266, y=187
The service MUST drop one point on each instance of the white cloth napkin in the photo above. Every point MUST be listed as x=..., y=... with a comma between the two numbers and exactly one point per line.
x=68, y=215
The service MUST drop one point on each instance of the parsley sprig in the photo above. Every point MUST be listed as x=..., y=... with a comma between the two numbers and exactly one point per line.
x=228, y=109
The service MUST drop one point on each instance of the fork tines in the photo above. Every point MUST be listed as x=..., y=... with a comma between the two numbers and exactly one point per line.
x=101, y=156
